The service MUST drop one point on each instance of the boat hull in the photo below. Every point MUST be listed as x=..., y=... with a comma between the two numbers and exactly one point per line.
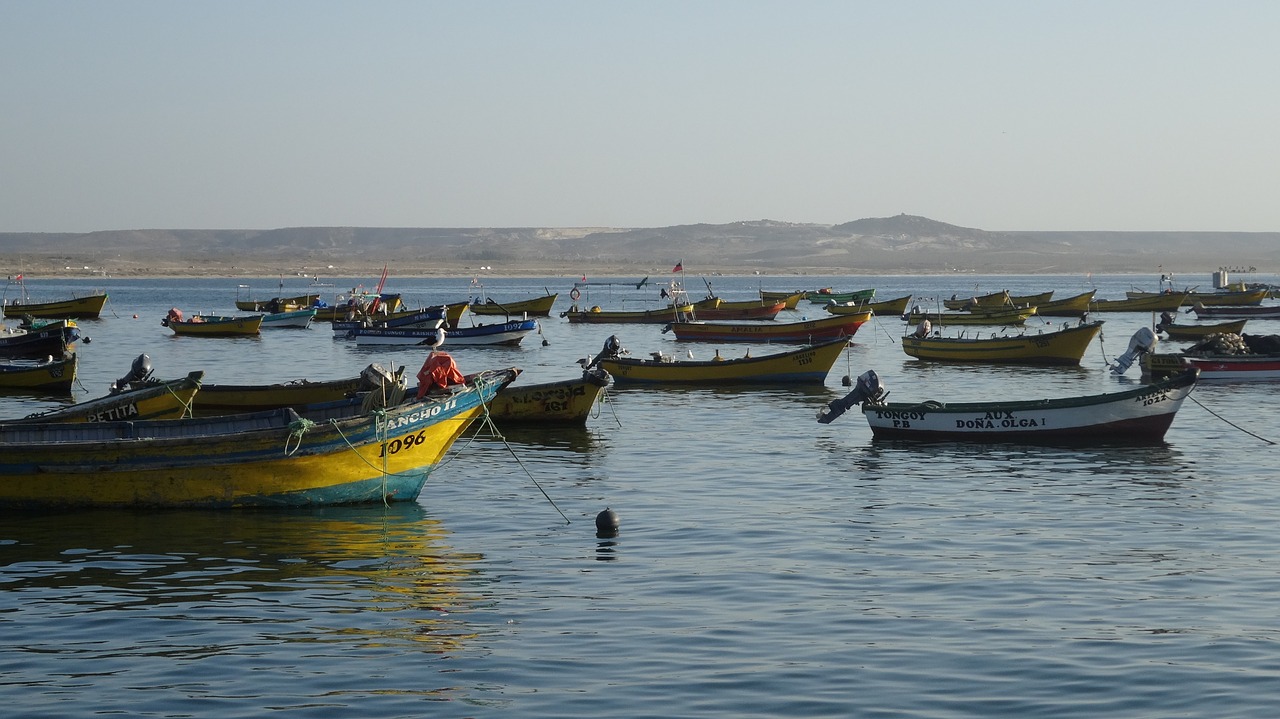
x=78, y=308
x=977, y=317
x=217, y=326
x=1270, y=312
x=747, y=310
x=1062, y=347
x=56, y=376
x=822, y=298
x=261, y=460
x=50, y=339
x=598, y=316
x=826, y=328
x=154, y=401
x=506, y=333
x=535, y=307
x=790, y=300
x=1199, y=332
x=289, y=319
x=1068, y=306
x=1141, y=414
x=213, y=400
x=563, y=403
x=1155, y=303
x=806, y=365
x=998, y=299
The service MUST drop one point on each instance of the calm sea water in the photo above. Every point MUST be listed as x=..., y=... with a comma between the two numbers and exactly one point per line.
x=767, y=566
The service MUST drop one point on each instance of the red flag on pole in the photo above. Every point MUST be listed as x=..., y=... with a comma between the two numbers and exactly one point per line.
x=679, y=266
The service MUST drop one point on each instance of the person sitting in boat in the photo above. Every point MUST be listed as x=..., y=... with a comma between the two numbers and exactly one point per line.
x=174, y=315
x=923, y=329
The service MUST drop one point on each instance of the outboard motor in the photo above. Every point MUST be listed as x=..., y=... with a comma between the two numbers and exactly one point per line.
x=612, y=348
x=139, y=372
x=869, y=387
x=1142, y=342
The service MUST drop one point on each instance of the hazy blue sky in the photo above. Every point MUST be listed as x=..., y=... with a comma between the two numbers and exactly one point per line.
x=1161, y=115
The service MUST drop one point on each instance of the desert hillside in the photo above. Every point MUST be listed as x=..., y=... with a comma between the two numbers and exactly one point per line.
x=900, y=244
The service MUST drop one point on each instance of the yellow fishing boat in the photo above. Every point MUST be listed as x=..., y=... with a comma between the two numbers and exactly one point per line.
x=1168, y=301
x=997, y=299
x=213, y=326
x=809, y=364
x=1068, y=306
x=46, y=375
x=1064, y=346
x=790, y=300
x=1199, y=332
x=535, y=307
x=567, y=402
x=149, y=400
x=994, y=316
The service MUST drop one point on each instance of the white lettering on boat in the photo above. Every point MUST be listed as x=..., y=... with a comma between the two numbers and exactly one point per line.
x=114, y=414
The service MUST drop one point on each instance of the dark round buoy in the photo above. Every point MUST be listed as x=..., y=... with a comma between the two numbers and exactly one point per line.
x=847, y=381
x=545, y=343
x=607, y=523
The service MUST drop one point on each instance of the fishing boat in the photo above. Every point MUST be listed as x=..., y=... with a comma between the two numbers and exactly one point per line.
x=358, y=305
x=1136, y=415
x=1065, y=346
x=595, y=315
x=887, y=308
x=1197, y=332
x=979, y=316
x=1230, y=357
x=277, y=304
x=79, y=308
x=51, y=374
x=1256, y=312
x=790, y=300
x=1075, y=306
x=220, y=399
x=51, y=338
x=1219, y=298
x=1155, y=303
x=714, y=308
x=809, y=364
x=825, y=295
x=212, y=325
x=504, y=333
x=806, y=331
x=997, y=299
x=566, y=402
x=146, y=399
x=281, y=458
x=884, y=308
x=294, y=319
x=534, y=307
x=426, y=317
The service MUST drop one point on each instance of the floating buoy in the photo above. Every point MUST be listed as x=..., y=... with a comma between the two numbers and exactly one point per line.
x=135, y=317
x=607, y=523
x=847, y=381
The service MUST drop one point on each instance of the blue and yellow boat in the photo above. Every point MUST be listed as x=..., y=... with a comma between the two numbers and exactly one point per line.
x=280, y=458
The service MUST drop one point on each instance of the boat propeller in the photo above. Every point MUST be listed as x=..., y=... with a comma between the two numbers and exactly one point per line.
x=869, y=387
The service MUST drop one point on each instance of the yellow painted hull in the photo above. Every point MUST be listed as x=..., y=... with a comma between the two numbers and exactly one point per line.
x=998, y=299
x=1198, y=332
x=981, y=317
x=790, y=300
x=263, y=460
x=598, y=316
x=56, y=376
x=807, y=365
x=1231, y=298
x=1068, y=306
x=280, y=303
x=1153, y=303
x=1062, y=347
x=78, y=308
x=218, y=327
x=160, y=400
x=551, y=403
x=536, y=307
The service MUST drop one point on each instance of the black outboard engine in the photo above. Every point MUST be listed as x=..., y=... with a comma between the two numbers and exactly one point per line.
x=138, y=373
x=1142, y=342
x=869, y=387
x=612, y=348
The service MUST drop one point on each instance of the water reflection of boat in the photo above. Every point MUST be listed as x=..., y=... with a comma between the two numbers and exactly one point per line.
x=393, y=558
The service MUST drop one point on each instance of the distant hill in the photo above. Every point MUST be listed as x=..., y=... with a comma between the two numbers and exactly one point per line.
x=900, y=244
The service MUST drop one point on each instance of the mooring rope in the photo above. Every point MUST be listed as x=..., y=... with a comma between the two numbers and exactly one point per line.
x=1229, y=422
x=297, y=428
